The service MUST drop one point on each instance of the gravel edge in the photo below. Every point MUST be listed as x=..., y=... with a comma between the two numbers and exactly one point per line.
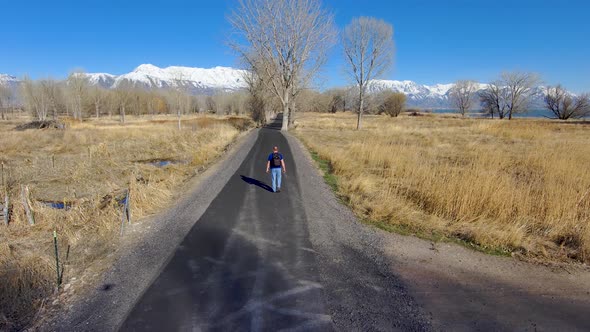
x=337, y=234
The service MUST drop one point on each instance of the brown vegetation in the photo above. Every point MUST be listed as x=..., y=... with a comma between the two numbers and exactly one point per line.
x=394, y=104
x=89, y=166
x=518, y=186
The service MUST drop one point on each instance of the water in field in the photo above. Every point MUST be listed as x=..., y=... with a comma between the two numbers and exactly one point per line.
x=538, y=113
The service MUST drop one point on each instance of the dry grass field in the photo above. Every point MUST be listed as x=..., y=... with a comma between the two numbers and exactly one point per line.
x=89, y=166
x=519, y=186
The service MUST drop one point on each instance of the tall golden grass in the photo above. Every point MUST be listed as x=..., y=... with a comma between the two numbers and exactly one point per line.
x=517, y=186
x=95, y=162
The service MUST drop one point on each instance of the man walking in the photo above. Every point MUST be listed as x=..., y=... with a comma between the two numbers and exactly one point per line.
x=274, y=164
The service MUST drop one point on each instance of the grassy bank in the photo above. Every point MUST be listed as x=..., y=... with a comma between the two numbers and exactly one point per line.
x=89, y=166
x=502, y=186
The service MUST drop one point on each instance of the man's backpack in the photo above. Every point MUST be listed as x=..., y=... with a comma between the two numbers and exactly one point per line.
x=276, y=160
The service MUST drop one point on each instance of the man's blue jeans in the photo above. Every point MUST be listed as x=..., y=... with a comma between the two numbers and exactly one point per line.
x=276, y=178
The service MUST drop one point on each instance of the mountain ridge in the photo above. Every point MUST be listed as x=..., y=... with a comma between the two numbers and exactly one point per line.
x=208, y=81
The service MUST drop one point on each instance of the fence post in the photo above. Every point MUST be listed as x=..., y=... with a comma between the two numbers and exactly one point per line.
x=25, y=199
x=124, y=215
x=56, y=258
x=6, y=209
x=128, y=205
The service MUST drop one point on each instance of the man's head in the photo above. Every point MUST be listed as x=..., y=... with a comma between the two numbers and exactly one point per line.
x=275, y=149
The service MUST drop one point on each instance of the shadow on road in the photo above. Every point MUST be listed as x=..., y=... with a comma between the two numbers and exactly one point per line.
x=256, y=183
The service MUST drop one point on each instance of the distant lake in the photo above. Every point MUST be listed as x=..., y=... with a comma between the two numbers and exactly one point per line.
x=540, y=113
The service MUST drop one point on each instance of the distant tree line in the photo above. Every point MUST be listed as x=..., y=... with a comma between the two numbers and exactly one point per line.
x=512, y=93
x=284, y=43
x=75, y=97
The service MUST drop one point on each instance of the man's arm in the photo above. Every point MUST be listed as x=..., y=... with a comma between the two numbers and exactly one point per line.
x=283, y=164
x=267, y=166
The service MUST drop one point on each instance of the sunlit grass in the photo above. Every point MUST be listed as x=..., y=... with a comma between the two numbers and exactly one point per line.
x=520, y=185
x=87, y=165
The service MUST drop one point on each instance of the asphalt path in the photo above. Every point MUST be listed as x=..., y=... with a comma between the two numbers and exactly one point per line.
x=248, y=264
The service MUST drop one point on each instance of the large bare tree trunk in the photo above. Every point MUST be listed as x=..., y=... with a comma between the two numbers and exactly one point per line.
x=179, y=120
x=292, y=113
x=285, y=124
x=286, y=100
x=284, y=42
x=360, y=115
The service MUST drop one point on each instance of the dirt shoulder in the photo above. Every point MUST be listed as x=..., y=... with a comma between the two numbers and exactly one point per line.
x=457, y=288
x=103, y=300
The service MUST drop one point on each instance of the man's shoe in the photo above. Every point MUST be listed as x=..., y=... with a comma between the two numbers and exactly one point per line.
x=279, y=190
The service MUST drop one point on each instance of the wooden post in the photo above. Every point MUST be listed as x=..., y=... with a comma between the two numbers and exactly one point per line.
x=25, y=199
x=56, y=258
x=128, y=205
x=123, y=215
x=6, y=209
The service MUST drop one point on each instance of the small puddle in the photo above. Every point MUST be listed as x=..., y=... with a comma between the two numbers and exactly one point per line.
x=57, y=205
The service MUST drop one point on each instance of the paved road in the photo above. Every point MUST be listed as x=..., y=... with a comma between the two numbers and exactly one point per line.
x=248, y=264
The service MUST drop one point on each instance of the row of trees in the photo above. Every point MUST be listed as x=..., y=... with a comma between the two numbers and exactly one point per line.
x=512, y=94
x=284, y=43
x=6, y=100
x=75, y=97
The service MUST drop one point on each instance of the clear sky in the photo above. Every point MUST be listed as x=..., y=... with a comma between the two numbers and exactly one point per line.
x=436, y=41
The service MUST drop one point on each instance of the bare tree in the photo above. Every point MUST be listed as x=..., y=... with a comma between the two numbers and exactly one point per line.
x=337, y=103
x=51, y=89
x=36, y=100
x=97, y=96
x=520, y=89
x=5, y=99
x=124, y=94
x=462, y=95
x=111, y=101
x=178, y=97
x=256, y=104
x=368, y=49
x=493, y=100
x=152, y=102
x=78, y=87
x=314, y=101
x=284, y=42
x=394, y=104
x=210, y=104
x=565, y=106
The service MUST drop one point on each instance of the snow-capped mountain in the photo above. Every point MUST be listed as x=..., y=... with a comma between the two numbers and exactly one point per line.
x=209, y=81
x=11, y=82
x=8, y=80
x=194, y=80
x=101, y=79
x=418, y=95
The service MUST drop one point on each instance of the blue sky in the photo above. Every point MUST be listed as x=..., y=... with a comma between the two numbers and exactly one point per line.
x=436, y=41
